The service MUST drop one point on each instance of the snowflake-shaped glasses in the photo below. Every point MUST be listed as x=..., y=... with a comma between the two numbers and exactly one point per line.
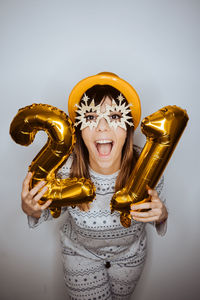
x=115, y=114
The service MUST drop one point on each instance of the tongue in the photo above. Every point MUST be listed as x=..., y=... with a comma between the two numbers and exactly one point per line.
x=104, y=149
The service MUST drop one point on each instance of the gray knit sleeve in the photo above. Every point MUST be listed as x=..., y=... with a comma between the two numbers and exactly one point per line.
x=62, y=173
x=162, y=227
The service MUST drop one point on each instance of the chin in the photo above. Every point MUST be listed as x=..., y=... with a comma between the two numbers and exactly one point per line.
x=105, y=165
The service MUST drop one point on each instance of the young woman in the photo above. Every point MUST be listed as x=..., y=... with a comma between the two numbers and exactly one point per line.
x=102, y=259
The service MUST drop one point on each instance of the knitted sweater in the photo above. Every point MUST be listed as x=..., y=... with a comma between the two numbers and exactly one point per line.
x=98, y=234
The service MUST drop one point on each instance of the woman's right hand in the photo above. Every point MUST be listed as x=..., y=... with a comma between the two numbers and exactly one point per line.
x=30, y=205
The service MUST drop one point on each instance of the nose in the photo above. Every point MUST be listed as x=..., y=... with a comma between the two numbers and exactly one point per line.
x=102, y=125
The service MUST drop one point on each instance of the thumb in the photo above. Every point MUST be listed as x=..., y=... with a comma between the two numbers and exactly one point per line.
x=154, y=195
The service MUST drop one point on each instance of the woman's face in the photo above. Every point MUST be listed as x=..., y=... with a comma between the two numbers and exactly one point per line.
x=104, y=142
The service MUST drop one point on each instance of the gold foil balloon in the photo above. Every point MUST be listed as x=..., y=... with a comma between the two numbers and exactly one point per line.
x=163, y=130
x=61, y=138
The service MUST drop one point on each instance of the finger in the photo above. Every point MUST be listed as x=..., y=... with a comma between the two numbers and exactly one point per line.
x=25, y=185
x=40, y=194
x=44, y=206
x=152, y=193
x=154, y=196
x=145, y=205
x=39, y=207
x=88, y=206
x=35, y=190
x=157, y=201
x=148, y=214
x=145, y=220
x=85, y=206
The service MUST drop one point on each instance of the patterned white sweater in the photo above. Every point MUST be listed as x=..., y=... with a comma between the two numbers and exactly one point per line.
x=97, y=233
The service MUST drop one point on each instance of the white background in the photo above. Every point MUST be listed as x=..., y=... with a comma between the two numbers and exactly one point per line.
x=46, y=48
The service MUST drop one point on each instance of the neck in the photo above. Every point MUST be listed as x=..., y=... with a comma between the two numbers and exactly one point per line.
x=105, y=168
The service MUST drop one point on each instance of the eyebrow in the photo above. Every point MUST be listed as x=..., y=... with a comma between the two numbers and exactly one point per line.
x=90, y=112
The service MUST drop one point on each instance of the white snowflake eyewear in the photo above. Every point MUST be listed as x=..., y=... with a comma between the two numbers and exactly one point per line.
x=115, y=114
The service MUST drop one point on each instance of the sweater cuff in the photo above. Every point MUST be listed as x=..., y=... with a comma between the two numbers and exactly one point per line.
x=34, y=222
x=161, y=228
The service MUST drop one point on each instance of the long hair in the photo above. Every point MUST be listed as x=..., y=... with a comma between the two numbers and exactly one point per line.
x=80, y=164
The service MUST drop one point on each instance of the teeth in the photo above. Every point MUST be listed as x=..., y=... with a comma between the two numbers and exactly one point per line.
x=103, y=141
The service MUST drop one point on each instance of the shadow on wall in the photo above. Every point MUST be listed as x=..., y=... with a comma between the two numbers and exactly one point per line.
x=165, y=276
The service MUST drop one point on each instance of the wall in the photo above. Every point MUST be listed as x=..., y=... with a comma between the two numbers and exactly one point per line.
x=46, y=48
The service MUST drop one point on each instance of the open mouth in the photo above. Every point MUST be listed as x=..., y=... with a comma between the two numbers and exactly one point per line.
x=104, y=147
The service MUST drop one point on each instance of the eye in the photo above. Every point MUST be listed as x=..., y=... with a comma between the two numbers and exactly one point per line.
x=115, y=116
x=90, y=117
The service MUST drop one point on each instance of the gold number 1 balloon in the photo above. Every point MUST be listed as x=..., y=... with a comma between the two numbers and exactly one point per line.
x=61, y=138
x=163, y=130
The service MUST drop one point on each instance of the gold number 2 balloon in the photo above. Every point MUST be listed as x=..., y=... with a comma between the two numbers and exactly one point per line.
x=163, y=130
x=61, y=138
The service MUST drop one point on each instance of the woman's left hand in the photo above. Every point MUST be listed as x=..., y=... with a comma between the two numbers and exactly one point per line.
x=158, y=211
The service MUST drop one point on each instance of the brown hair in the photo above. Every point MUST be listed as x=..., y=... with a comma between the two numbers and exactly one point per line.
x=80, y=164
